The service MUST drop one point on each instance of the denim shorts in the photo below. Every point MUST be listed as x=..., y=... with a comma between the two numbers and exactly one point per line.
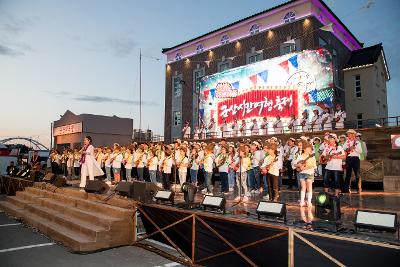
x=305, y=176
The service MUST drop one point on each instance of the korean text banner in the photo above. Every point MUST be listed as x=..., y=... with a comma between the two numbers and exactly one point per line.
x=284, y=85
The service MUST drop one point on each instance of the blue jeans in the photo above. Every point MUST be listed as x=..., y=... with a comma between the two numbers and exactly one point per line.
x=128, y=174
x=140, y=174
x=153, y=176
x=108, y=173
x=265, y=180
x=193, y=176
x=231, y=178
x=207, y=181
x=332, y=179
x=254, y=178
x=224, y=181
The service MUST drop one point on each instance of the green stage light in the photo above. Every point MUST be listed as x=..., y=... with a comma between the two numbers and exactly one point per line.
x=322, y=198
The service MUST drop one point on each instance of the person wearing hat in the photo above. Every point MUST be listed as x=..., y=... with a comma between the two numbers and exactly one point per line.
x=353, y=150
x=326, y=120
x=243, y=128
x=340, y=116
x=324, y=146
x=334, y=155
x=186, y=131
x=254, y=127
x=364, y=152
x=264, y=126
x=304, y=124
x=224, y=129
x=196, y=133
x=235, y=128
x=292, y=124
x=315, y=121
x=317, y=151
x=254, y=172
x=222, y=163
x=277, y=126
x=211, y=129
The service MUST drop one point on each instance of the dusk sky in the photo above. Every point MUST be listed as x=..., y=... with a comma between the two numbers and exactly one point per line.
x=84, y=55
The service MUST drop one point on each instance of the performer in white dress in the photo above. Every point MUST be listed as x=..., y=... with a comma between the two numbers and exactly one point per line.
x=340, y=116
x=304, y=123
x=254, y=127
x=264, y=126
x=224, y=129
x=235, y=127
x=326, y=120
x=243, y=128
x=89, y=165
x=315, y=121
x=292, y=124
x=278, y=125
x=186, y=131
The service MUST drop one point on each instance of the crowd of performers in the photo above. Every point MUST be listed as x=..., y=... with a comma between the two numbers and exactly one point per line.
x=325, y=121
x=254, y=168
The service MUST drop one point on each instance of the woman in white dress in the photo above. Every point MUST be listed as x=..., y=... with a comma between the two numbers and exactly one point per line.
x=89, y=165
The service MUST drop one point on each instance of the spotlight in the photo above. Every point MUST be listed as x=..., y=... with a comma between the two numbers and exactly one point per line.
x=164, y=196
x=376, y=220
x=271, y=210
x=189, y=192
x=214, y=203
x=327, y=209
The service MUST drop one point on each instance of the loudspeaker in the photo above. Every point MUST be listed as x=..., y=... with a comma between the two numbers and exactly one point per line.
x=144, y=191
x=49, y=177
x=96, y=186
x=59, y=181
x=125, y=189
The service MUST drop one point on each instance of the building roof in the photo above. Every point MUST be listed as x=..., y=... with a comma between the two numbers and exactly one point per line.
x=366, y=56
x=165, y=50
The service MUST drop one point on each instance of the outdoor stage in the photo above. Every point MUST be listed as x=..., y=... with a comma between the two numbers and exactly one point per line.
x=212, y=239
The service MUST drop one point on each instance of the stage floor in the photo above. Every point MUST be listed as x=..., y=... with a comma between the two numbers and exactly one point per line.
x=296, y=215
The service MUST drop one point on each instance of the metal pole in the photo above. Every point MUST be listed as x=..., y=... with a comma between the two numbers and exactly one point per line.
x=140, y=94
x=51, y=135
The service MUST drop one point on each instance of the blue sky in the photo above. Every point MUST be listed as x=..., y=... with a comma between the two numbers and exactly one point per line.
x=84, y=55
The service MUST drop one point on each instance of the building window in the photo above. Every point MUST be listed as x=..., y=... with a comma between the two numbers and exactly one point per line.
x=287, y=48
x=289, y=17
x=378, y=105
x=225, y=39
x=322, y=42
x=359, y=120
x=254, y=29
x=197, y=75
x=199, y=48
x=177, y=118
x=177, y=86
x=357, y=80
x=224, y=65
x=254, y=57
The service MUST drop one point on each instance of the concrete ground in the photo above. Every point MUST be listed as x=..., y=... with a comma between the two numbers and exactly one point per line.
x=23, y=246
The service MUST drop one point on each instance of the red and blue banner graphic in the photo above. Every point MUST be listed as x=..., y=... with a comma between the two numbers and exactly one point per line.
x=285, y=85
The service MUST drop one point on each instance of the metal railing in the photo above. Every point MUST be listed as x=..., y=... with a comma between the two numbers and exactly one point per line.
x=354, y=124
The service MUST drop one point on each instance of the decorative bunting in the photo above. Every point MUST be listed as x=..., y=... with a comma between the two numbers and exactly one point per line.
x=212, y=92
x=236, y=85
x=285, y=65
x=206, y=94
x=264, y=75
x=293, y=60
x=253, y=79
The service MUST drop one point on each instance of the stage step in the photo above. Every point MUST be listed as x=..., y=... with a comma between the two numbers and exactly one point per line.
x=66, y=215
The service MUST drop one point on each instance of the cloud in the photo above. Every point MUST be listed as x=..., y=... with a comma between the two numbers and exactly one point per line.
x=119, y=45
x=8, y=51
x=99, y=99
x=13, y=25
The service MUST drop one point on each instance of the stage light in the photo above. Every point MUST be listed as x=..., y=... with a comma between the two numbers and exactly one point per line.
x=327, y=207
x=376, y=220
x=271, y=209
x=306, y=22
x=164, y=196
x=189, y=192
x=270, y=34
x=214, y=203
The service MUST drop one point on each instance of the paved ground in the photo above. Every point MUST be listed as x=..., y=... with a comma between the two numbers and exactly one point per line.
x=22, y=246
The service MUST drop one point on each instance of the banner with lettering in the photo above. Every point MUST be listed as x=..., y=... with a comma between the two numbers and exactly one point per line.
x=285, y=85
